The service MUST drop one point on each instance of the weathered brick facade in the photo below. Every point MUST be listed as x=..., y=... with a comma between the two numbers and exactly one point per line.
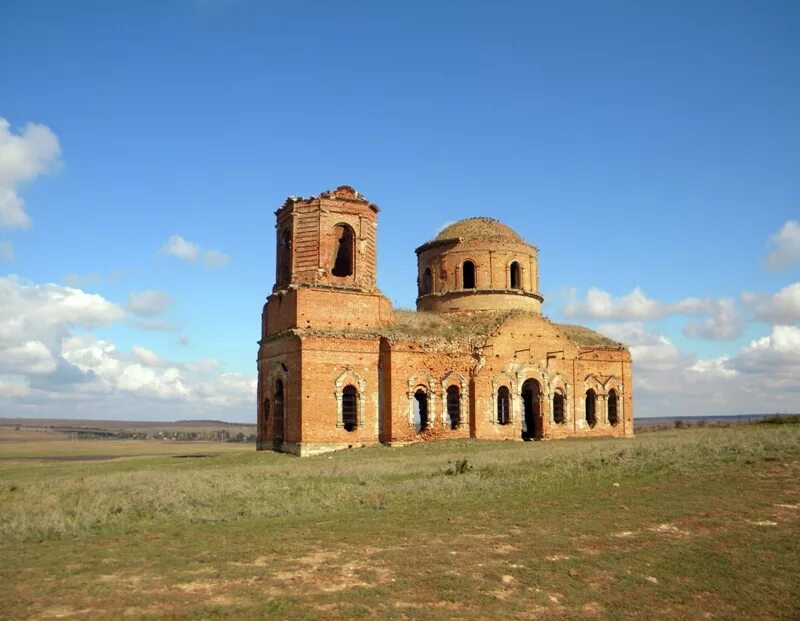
x=337, y=367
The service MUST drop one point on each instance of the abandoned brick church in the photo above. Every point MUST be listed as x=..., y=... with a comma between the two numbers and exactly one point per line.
x=337, y=367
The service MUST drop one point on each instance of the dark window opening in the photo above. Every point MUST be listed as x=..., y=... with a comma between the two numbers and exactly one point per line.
x=343, y=259
x=558, y=408
x=285, y=256
x=515, y=277
x=427, y=281
x=420, y=410
x=591, y=398
x=503, y=406
x=531, y=399
x=454, y=406
x=613, y=405
x=277, y=420
x=350, y=408
x=468, y=275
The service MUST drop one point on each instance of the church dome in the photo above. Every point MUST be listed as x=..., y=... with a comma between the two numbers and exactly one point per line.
x=478, y=228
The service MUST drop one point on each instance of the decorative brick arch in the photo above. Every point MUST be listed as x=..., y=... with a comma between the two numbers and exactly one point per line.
x=594, y=382
x=504, y=379
x=426, y=381
x=454, y=378
x=612, y=383
x=277, y=371
x=349, y=378
x=558, y=383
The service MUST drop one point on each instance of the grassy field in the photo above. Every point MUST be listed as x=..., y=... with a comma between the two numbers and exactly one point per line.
x=682, y=524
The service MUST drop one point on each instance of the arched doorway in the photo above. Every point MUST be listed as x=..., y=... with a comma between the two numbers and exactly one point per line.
x=532, y=414
x=420, y=410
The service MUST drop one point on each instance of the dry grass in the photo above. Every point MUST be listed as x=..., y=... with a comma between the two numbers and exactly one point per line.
x=672, y=525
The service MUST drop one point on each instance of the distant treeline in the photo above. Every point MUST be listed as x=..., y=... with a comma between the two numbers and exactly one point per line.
x=220, y=435
x=774, y=419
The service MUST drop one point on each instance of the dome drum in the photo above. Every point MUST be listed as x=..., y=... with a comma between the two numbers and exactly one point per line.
x=478, y=264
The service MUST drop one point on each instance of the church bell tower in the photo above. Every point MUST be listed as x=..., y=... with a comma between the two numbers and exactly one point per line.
x=326, y=268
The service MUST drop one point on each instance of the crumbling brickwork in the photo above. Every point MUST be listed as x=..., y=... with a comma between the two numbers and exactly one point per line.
x=337, y=367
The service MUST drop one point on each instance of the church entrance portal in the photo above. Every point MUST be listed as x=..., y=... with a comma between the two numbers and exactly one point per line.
x=531, y=415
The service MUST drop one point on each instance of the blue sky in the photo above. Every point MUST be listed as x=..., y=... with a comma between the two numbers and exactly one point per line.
x=650, y=150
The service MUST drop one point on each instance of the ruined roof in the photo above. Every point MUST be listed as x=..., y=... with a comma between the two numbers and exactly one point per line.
x=584, y=337
x=343, y=192
x=478, y=228
x=459, y=331
x=463, y=327
x=456, y=331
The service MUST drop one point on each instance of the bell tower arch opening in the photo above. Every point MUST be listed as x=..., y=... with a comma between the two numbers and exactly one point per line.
x=343, y=251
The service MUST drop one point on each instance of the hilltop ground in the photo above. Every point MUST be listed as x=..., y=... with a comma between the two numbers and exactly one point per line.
x=681, y=524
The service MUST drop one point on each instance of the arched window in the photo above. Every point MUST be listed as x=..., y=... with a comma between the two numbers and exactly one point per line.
x=558, y=408
x=454, y=406
x=591, y=398
x=613, y=407
x=427, y=282
x=277, y=420
x=468, y=275
x=343, y=250
x=503, y=406
x=420, y=410
x=350, y=408
x=514, y=276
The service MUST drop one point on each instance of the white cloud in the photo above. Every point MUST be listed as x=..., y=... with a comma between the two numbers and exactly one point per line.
x=6, y=252
x=48, y=312
x=215, y=258
x=785, y=247
x=148, y=303
x=23, y=157
x=599, y=304
x=52, y=365
x=714, y=367
x=722, y=320
x=27, y=357
x=764, y=376
x=775, y=357
x=147, y=356
x=782, y=308
x=180, y=248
